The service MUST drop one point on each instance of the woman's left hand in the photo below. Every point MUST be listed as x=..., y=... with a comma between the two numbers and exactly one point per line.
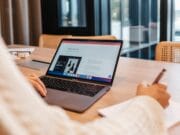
x=37, y=84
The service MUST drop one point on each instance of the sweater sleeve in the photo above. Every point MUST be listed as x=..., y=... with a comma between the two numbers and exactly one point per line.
x=23, y=112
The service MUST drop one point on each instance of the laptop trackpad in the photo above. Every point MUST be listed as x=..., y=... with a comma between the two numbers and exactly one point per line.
x=69, y=101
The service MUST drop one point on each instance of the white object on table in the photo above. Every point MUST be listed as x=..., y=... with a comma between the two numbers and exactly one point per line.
x=172, y=112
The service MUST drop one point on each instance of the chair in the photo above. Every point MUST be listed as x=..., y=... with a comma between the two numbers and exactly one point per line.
x=102, y=37
x=168, y=51
x=52, y=41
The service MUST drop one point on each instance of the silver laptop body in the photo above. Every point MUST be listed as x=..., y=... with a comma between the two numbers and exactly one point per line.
x=89, y=63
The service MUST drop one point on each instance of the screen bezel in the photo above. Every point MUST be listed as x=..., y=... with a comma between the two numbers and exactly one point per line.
x=80, y=79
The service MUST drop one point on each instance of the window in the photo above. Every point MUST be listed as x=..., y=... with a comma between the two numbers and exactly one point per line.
x=115, y=18
x=75, y=17
x=71, y=13
x=136, y=22
x=176, y=21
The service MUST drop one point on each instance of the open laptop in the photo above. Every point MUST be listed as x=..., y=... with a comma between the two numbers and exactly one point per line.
x=81, y=72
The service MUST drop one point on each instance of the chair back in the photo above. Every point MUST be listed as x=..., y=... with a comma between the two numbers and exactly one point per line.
x=168, y=51
x=102, y=37
x=52, y=41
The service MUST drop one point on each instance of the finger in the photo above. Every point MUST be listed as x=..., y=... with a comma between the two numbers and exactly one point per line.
x=169, y=96
x=33, y=75
x=162, y=86
x=166, y=95
x=166, y=104
x=38, y=87
x=141, y=86
x=35, y=78
x=165, y=99
x=162, y=90
x=41, y=83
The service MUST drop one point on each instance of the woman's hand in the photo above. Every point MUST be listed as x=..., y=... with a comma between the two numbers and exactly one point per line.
x=156, y=91
x=38, y=84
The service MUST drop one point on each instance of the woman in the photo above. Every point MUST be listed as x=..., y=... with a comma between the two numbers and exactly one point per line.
x=23, y=112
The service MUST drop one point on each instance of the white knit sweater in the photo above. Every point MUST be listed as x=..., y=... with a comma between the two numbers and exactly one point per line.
x=23, y=112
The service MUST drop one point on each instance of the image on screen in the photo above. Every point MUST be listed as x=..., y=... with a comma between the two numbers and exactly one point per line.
x=67, y=64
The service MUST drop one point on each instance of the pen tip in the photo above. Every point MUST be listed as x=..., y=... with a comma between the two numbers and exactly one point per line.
x=164, y=70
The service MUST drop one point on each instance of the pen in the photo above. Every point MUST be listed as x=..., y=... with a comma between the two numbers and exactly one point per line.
x=159, y=76
x=40, y=61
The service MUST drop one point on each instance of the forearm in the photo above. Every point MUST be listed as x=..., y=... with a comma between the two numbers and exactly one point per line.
x=143, y=117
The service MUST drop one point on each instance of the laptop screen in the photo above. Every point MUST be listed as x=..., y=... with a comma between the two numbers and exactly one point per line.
x=86, y=59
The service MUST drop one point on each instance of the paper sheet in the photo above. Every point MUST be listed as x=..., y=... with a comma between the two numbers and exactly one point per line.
x=172, y=112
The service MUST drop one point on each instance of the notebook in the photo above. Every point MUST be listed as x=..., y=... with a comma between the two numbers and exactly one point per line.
x=81, y=72
x=171, y=112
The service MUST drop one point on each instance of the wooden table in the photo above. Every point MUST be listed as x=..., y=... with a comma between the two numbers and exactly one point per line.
x=129, y=73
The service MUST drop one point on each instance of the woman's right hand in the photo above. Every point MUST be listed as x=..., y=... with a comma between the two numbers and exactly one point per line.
x=156, y=91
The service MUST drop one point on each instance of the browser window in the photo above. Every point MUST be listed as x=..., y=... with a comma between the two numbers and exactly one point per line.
x=86, y=60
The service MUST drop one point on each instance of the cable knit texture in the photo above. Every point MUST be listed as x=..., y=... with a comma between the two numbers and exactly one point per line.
x=23, y=112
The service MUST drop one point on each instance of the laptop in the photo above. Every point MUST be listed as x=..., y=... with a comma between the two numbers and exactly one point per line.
x=81, y=72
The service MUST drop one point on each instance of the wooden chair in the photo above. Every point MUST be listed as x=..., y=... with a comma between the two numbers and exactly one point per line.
x=52, y=41
x=102, y=37
x=168, y=51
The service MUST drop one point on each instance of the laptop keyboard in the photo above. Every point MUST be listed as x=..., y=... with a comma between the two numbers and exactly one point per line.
x=72, y=87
